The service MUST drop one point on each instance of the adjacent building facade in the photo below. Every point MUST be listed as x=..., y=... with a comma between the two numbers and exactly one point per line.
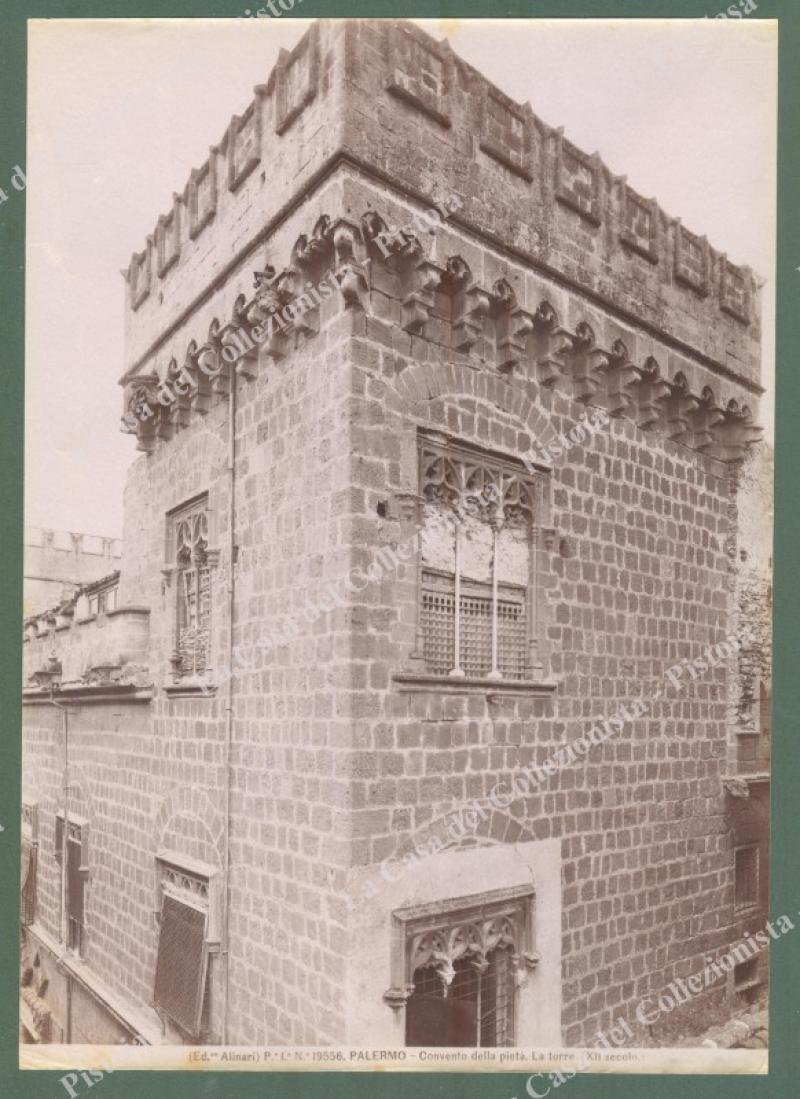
x=442, y=428
x=58, y=562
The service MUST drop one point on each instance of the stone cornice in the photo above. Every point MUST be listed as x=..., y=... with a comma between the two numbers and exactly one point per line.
x=480, y=234
x=434, y=296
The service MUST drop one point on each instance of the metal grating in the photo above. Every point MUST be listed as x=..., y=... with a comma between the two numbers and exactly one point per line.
x=181, y=964
x=438, y=631
x=30, y=852
x=438, y=628
x=476, y=1009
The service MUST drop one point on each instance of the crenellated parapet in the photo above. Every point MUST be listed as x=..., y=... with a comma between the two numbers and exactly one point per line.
x=389, y=101
x=512, y=323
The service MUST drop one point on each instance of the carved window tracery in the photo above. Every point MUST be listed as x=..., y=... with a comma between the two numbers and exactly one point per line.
x=190, y=539
x=459, y=969
x=477, y=562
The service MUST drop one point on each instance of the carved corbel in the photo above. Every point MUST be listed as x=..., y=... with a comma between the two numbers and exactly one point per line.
x=524, y=965
x=647, y=388
x=471, y=307
x=545, y=327
x=424, y=279
x=573, y=357
x=736, y=787
x=301, y=308
x=734, y=434
x=385, y=244
x=200, y=392
x=264, y=311
x=397, y=996
x=142, y=410
x=675, y=408
x=513, y=326
x=703, y=422
x=312, y=254
x=350, y=274
x=617, y=372
x=265, y=301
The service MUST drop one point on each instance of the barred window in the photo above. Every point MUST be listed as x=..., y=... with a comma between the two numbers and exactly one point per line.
x=182, y=957
x=462, y=968
x=477, y=604
x=189, y=535
x=746, y=876
x=77, y=873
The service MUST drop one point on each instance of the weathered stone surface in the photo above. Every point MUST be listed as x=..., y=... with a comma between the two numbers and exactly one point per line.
x=534, y=305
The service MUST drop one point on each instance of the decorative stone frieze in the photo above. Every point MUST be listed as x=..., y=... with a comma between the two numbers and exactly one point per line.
x=437, y=300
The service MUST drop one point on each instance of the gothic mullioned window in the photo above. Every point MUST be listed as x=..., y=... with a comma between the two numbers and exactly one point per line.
x=461, y=966
x=477, y=613
x=189, y=535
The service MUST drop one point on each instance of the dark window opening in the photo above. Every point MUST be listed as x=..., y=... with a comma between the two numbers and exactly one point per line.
x=75, y=898
x=746, y=876
x=475, y=1009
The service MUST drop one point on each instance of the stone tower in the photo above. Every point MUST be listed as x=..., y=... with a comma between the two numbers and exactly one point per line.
x=441, y=423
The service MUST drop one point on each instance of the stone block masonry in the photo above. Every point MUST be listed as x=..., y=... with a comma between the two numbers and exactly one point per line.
x=554, y=291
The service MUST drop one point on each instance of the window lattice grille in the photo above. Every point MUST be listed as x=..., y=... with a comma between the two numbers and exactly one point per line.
x=462, y=968
x=438, y=628
x=475, y=1009
x=181, y=964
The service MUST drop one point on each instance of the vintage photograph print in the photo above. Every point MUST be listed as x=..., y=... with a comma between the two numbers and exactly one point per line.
x=397, y=585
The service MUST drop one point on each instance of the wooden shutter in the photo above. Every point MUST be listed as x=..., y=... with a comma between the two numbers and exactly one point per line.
x=181, y=964
x=28, y=881
x=75, y=882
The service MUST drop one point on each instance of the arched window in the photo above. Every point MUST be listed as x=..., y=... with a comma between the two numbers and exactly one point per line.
x=191, y=657
x=477, y=592
x=458, y=967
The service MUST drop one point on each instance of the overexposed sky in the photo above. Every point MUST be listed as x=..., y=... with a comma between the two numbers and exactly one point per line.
x=120, y=111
